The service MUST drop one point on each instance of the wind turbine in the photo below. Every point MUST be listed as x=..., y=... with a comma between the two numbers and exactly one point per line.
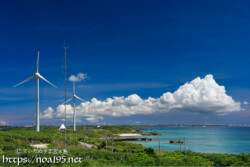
x=74, y=98
x=37, y=76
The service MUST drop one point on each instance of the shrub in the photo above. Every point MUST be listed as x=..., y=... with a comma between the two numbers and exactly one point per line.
x=149, y=151
x=102, y=145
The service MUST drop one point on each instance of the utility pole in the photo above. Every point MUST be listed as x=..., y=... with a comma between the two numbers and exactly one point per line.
x=159, y=144
x=185, y=146
x=106, y=141
x=84, y=139
x=70, y=134
x=112, y=141
x=180, y=144
x=76, y=135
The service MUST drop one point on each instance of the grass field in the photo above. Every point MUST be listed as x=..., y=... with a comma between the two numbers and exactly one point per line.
x=15, y=142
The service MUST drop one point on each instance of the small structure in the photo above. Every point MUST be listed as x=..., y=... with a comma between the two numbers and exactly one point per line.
x=176, y=142
x=27, y=126
x=39, y=145
x=128, y=139
x=62, y=127
x=150, y=133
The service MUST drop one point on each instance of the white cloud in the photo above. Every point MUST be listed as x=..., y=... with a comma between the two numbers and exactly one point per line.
x=94, y=118
x=245, y=102
x=200, y=95
x=3, y=122
x=60, y=111
x=78, y=77
x=47, y=114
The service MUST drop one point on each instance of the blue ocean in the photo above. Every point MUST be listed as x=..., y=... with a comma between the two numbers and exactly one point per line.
x=232, y=140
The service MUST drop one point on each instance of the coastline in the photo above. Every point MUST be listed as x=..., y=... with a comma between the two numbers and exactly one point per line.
x=129, y=134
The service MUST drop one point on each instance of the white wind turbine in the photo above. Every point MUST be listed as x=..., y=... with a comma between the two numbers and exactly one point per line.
x=74, y=98
x=37, y=76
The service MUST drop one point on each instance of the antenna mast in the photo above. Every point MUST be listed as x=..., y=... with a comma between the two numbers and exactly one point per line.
x=65, y=79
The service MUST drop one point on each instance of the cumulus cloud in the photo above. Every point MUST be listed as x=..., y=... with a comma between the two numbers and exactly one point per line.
x=78, y=77
x=47, y=114
x=200, y=95
x=60, y=111
x=245, y=102
x=94, y=118
x=3, y=122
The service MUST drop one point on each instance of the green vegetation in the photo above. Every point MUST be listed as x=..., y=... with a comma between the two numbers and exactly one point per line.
x=124, y=154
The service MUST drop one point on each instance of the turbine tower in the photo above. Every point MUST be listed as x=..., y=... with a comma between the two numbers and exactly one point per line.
x=74, y=98
x=37, y=76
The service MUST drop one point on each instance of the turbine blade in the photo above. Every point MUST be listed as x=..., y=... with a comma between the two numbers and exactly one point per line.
x=46, y=80
x=68, y=100
x=37, y=63
x=25, y=81
x=74, y=90
x=79, y=98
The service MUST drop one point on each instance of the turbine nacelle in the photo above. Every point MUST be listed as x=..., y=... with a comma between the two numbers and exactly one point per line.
x=37, y=76
x=73, y=98
x=74, y=95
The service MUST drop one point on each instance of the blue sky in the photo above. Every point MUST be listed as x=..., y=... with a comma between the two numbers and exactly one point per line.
x=125, y=47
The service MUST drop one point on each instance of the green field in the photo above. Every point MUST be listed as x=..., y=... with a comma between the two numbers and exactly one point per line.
x=124, y=154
